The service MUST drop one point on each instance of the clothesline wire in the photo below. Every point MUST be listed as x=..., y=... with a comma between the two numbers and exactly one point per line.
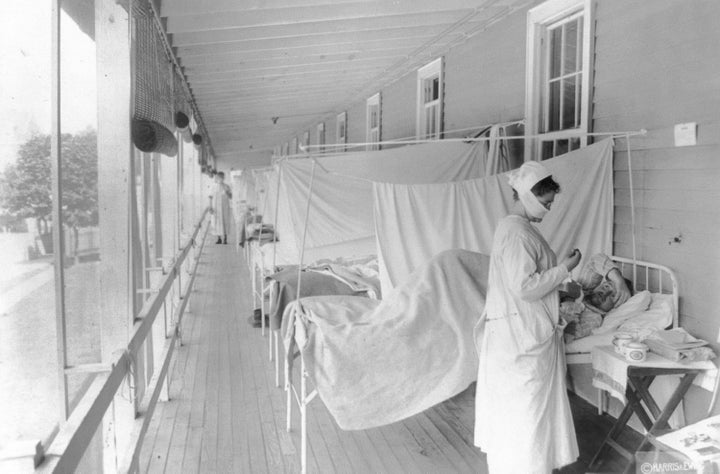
x=482, y=128
x=622, y=134
x=409, y=139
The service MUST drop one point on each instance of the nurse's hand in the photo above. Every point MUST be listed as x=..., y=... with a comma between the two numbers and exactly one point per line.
x=572, y=260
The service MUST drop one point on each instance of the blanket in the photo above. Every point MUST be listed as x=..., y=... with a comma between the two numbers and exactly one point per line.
x=357, y=277
x=312, y=284
x=377, y=362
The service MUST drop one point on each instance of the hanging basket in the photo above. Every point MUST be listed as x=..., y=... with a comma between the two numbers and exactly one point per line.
x=197, y=139
x=151, y=137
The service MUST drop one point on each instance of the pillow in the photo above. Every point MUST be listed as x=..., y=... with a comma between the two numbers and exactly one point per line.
x=658, y=316
x=632, y=307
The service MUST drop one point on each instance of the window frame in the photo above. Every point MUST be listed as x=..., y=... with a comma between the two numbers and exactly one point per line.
x=431, y=70
x=341, y=139
x=545, y=15
x=320, y=137
x=373, y=141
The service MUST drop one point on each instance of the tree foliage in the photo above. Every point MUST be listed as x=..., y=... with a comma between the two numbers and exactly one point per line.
x=26, y=186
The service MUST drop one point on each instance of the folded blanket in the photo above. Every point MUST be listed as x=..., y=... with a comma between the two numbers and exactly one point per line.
x=377, y=362
x=312, y=284
x=679, y=346
x=356, y=280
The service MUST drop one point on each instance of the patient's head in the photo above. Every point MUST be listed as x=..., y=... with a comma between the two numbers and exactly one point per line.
x=602, y=297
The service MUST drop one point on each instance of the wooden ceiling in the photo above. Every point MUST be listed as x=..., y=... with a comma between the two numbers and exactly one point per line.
x=304, y=61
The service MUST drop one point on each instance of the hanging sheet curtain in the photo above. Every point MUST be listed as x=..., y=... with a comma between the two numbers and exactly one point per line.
x=414, y=222
x=341, y=209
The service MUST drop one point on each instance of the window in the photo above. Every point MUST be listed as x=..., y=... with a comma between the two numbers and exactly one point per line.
x=429, y=100
x=341, y=130
x=306, y=141
x=559, y=77
x=321, y=137
x=373, y=122
x=294, y=146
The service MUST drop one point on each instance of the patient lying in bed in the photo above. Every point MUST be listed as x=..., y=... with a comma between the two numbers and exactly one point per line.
x=603, y=289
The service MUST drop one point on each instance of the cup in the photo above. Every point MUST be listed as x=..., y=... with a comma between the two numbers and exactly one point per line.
x=636, y=351
x=620, y=341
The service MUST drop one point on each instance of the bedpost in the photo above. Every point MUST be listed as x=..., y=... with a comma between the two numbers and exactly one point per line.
x=303, y=416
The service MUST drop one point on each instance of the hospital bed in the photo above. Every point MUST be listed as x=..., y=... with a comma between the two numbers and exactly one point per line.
x=662, y=311
x=275, y=285
x=376, y=362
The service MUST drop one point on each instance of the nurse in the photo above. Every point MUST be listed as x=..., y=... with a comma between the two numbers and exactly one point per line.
x=523, y=420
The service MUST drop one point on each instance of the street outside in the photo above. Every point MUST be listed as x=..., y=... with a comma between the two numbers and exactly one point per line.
x=29, y=376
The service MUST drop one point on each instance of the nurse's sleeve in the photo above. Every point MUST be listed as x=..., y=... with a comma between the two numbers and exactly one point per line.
x=524, y=278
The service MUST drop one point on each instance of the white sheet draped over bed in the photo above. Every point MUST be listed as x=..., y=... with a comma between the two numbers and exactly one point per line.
x=416, y=221
x=377, y=362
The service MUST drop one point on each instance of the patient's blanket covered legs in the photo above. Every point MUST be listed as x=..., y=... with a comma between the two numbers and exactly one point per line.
x=377, y=362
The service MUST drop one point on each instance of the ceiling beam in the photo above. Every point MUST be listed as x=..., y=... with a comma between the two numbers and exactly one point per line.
x=329, y=51
x=253, y=88
x=291, y=66
x=237, y=83
x=343, y=27
x=403, y=36
x=184, y=7
x=308, y=72
x=295, y=60
x=180, y=23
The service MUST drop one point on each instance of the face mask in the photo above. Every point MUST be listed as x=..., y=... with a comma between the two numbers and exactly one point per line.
x=532, y=205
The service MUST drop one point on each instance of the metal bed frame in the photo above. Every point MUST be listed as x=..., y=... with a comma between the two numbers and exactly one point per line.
x=644, y=276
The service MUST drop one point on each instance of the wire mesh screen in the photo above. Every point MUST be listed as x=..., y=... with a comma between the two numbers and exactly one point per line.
x=154, y=73
x=182, y=105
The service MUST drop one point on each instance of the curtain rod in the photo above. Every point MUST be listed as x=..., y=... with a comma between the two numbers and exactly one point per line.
x=622, y=134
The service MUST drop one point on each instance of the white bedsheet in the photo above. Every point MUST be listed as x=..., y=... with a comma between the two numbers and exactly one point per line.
x=377, y=362
x=415, y=221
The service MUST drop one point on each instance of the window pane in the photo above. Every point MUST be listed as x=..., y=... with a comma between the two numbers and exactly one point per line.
x=554, y=107
x=546, y=150
x=578, y=100
x=568, y=112
x=561, y=147
x=571, y=46
x=436, y=88
x=574, y=143
x=29, y=398
x=555, y=38
x=579, y=42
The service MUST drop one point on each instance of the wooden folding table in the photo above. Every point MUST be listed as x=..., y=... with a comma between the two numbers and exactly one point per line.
x=637, y=380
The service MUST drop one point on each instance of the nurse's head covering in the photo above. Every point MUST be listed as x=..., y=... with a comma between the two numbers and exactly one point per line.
x=527, y=176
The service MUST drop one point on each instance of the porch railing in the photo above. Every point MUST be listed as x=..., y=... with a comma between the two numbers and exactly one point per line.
x=67, y=448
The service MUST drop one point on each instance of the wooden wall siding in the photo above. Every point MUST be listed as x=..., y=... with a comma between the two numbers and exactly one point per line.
x=399, y=108
x=485, y=77
x=656, y=65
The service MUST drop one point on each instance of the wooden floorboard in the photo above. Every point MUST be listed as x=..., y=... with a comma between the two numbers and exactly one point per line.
x=190, y=459
x=182, y=389
x=226, y=415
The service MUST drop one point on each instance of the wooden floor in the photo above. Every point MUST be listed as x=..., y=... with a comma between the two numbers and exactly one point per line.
x=226, y=415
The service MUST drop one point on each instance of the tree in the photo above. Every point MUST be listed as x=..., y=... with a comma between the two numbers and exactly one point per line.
x=26, y=187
